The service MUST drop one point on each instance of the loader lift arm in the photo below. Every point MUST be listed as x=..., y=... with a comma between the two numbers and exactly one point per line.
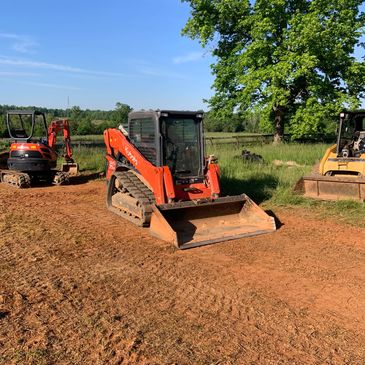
x=159, y=179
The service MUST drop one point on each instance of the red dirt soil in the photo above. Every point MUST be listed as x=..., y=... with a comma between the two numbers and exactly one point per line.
x=79, y=285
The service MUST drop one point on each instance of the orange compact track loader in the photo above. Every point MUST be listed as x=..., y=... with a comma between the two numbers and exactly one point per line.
x=33, y=159
x=158, y=177
x=341, y=172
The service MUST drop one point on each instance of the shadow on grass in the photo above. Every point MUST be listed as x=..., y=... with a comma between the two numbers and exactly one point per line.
x=258, y=189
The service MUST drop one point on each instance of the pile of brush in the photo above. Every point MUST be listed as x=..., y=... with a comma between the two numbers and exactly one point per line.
x=248, y=156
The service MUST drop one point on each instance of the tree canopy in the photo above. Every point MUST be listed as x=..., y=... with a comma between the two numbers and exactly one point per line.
x=290, y=60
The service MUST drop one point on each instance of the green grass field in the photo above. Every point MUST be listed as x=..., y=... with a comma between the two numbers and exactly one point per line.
x=272, y=185
x=90, y=159
x=266, y=183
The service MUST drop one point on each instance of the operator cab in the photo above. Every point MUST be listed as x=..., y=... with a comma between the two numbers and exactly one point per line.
x=351, y=136
x=170, y=138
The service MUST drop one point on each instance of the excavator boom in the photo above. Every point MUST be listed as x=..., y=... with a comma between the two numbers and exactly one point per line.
x=63, y=126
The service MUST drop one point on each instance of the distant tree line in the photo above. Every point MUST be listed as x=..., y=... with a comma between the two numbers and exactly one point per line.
x=91, y=122
x=82, y=122
x=254, y=122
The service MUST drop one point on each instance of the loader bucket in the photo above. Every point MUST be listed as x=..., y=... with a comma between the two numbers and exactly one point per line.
x=188, y=224
x=71, y=168
x=331, y=188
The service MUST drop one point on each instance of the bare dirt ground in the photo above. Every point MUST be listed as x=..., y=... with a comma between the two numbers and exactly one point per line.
x=79, y=285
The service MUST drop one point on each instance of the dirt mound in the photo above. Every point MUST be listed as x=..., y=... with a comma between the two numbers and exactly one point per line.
x=79, y=285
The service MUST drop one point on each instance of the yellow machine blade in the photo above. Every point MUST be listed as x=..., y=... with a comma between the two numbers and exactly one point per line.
x=332, y=188
x=190, y=224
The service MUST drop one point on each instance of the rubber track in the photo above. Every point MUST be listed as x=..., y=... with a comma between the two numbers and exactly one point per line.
x=61, y=178
x=132, y=185
x=19, y=180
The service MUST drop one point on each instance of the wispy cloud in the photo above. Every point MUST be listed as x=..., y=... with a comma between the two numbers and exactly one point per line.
x=20, y=43
x=190, y=57
x=49, y=85
x=56, y=67
x=151, y=71
x=142, y=69
x=18, y=74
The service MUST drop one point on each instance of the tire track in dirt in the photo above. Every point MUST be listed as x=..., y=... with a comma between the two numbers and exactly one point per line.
x=219, y=303
x=194, y=301
x=280, y=275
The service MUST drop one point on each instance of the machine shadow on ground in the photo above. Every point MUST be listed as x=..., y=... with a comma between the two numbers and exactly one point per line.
x=85, y=178
x=259, y=189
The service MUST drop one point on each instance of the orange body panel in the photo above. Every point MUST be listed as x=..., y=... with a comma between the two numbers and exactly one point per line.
x=159, y=178
x=46, y=152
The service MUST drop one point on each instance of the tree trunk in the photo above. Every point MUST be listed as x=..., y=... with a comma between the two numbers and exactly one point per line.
x=279, y=125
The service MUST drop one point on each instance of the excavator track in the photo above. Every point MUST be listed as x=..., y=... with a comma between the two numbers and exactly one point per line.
x=61, y=178
x=16, y=179
x=130, y=198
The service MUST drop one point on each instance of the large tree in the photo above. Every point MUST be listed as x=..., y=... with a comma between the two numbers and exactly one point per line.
x=121, y=112
x=292, y=60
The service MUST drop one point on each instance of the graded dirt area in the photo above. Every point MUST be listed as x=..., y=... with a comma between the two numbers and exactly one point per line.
x=79, y=285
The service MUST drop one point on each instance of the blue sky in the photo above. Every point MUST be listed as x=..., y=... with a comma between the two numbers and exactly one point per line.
x=97, y=53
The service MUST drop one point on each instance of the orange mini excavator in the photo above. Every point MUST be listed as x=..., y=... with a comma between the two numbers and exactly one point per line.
x=158, y=177
x=33, y=157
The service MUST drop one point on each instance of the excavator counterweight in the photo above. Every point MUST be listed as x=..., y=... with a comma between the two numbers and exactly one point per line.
x=159, y=178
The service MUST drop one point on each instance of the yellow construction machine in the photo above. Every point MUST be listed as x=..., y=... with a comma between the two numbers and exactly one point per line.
x=341, y=172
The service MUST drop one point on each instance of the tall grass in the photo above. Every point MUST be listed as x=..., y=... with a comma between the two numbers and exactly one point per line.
x=228, y=134
x=4, y=145
x=90, y=159
x=267, y=182
x=273, y=185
